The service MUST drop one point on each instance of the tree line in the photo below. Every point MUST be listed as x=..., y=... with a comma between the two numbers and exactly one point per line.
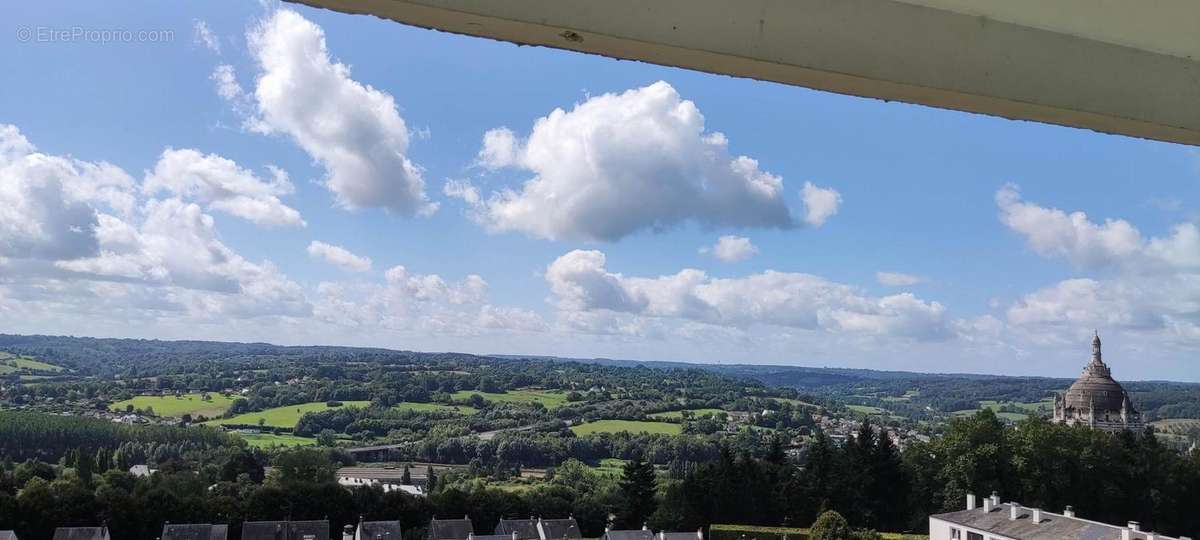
x=1107, y=477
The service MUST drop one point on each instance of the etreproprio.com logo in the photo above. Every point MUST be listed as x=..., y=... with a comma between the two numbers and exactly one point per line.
x=84, y=34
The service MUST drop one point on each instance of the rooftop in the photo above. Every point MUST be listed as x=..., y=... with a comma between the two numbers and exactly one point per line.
x=194, y=531
x=999, y=520
x=81, y=533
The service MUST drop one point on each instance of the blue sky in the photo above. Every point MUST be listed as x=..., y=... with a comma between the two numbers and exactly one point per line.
x=995, y=279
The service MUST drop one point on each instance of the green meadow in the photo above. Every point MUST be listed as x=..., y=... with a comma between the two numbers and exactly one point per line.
x=632, y=426
x=281, y=417
x=677, y=415
x=10, y=363
x=436, y=407
x=547, y=398
x=267, y=440
x=179, y=405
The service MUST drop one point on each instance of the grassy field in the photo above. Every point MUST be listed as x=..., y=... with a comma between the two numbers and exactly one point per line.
x=178, y=406
x=1010, y=416
x=267, y=440
x=547, y=398
x=611, y=467
x=1044, y=407
x=10, y=363
x=632, y=426
x=866, y=409
x=795, y=402
x=284, y=417
x=908, y=395
x=676, y=415
x=436, y=407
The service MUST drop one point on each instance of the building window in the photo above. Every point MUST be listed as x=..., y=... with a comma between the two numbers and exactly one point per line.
x=955, y=534
x=974, y=536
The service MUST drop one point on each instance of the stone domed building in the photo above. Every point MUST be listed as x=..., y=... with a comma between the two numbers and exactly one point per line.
x=1096, y=400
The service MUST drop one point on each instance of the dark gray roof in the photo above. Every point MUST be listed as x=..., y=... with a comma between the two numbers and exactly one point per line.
x=556, y=529
x=194, y=531
x=636, y=534
x=379, y=530
x=81, y=533
x=285, y=530
x=526, y=529
x=8, y=535
x=309, y=530
x=1052, y=527
x=694, y=535
x=450, y=529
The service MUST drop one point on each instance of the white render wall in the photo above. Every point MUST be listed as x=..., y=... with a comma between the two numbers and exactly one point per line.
x=940, y=530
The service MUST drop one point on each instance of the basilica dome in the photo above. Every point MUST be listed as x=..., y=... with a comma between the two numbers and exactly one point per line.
x=1096, y=398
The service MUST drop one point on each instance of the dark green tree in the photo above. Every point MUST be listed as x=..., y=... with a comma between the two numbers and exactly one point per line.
x=637, y=490
x=830, y=525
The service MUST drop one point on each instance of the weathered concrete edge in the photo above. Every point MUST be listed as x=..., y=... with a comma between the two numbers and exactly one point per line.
x=1009, y=71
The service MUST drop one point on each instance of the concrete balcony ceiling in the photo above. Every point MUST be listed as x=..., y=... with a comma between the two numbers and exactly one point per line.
x=1113, y=66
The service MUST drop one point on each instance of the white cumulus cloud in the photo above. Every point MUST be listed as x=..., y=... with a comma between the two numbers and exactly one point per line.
x=820, y=203
x=47, y=203
x=730, y=248
x=581, y=283
x=222, y=185
x=352, y=129
x=1051, y=232
x=203, y=35
x=617, y=164
x=1149, y=286
x=339, y=256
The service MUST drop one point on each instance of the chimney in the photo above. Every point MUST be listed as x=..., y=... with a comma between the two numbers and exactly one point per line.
x=970, y=501
x=1069, y=512
x=987, y=505
x=644, y=527
x=1037, y=516
x=1014, y=511
x=348, y=532
x=1135, y=526
x=995, y=499
x=699, y=533
x=1125, y=534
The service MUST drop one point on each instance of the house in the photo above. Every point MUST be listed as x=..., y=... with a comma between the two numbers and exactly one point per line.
x=558, y=529
x=1011, y=521
x=493, y=537
x=698, y=535
x=8, y=535
x=451, y=529
x=635, y=534
x=377, y=530
x=194, y=531
x=522, y=529
x=142, y=471
x=81, y=533
x=388, y=479
x=285, y=530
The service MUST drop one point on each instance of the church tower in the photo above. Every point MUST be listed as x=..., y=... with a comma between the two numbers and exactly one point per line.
x=1096, y=400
